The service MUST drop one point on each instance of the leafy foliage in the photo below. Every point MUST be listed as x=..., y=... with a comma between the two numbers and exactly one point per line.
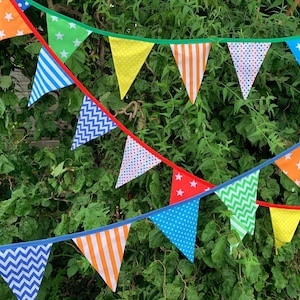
x=48, y=191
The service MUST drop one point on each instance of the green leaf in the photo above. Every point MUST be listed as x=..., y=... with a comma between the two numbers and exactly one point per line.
x=218, y=251
x=5, y=82
x=5, y=165
x=59, y=169
x=209, y=231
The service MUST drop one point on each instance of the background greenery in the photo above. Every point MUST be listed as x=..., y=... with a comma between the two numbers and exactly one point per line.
x=53, y=191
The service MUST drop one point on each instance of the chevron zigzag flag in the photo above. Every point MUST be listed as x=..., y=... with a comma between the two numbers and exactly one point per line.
x=179, y=224
x=104, y=250
x=136, y=161
x=23, y=268
x=48, y=77
x=92, y=123
x=240, y=198
x=247, y=59
x=294, y=46
x=191, y=60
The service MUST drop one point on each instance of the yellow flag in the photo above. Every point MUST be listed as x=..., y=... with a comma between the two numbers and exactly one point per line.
x=284, y=222
x=128, y=57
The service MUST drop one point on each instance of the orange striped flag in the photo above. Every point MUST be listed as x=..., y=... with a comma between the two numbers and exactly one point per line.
x=11, y=23
x=104, y=250
x=191, y=60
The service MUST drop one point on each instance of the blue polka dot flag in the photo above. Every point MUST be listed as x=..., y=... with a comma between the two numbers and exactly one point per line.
x=179, y=224
x=23, y=4
x=294, y=46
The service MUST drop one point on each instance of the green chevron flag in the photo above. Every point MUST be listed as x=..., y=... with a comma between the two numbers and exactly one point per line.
x=64, y=37
x=240, y=198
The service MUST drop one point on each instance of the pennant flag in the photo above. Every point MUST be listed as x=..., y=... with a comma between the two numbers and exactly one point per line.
x=92, y=123
x=186, y=186
x=191, y=60
x=48, y=77
x=294, y=46
x=23, y=4
x=64, y=37
x=290, y=165
x=136, y=161
x=11, y=23
x=104, y=250
x=247, y=59
x=179, y=225
x=284, y=222
x=23, y=268
x=240, y=198
x=128, y=57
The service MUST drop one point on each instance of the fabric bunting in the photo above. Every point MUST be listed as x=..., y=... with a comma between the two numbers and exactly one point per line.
x=48, y=77
x=136, y=161
x=92, y=123
x=294, y=46
x=104, y=250
x=179, y=225
x=23, y=4
x=284, y=222
x=240, y=198
x=191, y=60
x=64, y=37
x=185, y=186
x=11, y=23
x=23, y=268
x=247, y=59
x=290, y=165
x=128, y=57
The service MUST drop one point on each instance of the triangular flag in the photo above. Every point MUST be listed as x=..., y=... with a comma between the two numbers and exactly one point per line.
x=48, y=77
x=284, y=222
x=92, y=123
x=104, y=250
x=185, y=186
x=64, y=37
x=247, y=59
x=294, y=46
x=240, y=198
x=23, y=268
x=136, y=161
x=290, y=165
x=23, y=4
x=191, y=60
x=179, y=225
x=11, y=23
x=128, y=57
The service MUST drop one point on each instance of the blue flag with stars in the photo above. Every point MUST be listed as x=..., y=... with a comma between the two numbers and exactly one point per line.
x=179, y=224
x=294, y=46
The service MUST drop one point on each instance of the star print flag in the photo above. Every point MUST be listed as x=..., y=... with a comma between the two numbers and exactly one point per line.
x=136, y=161
x=284, y=222
x=186, y=186
x=11, y=23
x=179, y=225
x=290, y=165
x=104, y=250
x=247, y=59
x=64, y=37
x=23, y=268
x=240, y=198
x=294, y=46
x=128, y=57
x=92, y=123
x=48, y=77
x=191, y=60
x=23, y=4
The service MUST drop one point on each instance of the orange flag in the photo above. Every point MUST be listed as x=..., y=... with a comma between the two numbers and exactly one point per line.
x=11, y=23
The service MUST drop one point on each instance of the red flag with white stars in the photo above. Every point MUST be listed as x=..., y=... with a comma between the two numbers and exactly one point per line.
x=186, y=186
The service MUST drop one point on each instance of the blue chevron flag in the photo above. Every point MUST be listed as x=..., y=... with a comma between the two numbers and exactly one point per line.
x=48, y=77
x=294, y=46
x=92, y=123
x=23, y=268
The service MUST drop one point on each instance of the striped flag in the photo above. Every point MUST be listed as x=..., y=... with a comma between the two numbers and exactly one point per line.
x=104, y=250
x=191, y=60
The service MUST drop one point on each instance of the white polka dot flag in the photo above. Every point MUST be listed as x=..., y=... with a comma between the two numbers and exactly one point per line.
x=247, y=59
x=64, y=37
x=128, y=57
x=284, y=222
x=136, y=161
x=179, y=224
x=185, y=186
x=105, y=250
x=191, y=60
